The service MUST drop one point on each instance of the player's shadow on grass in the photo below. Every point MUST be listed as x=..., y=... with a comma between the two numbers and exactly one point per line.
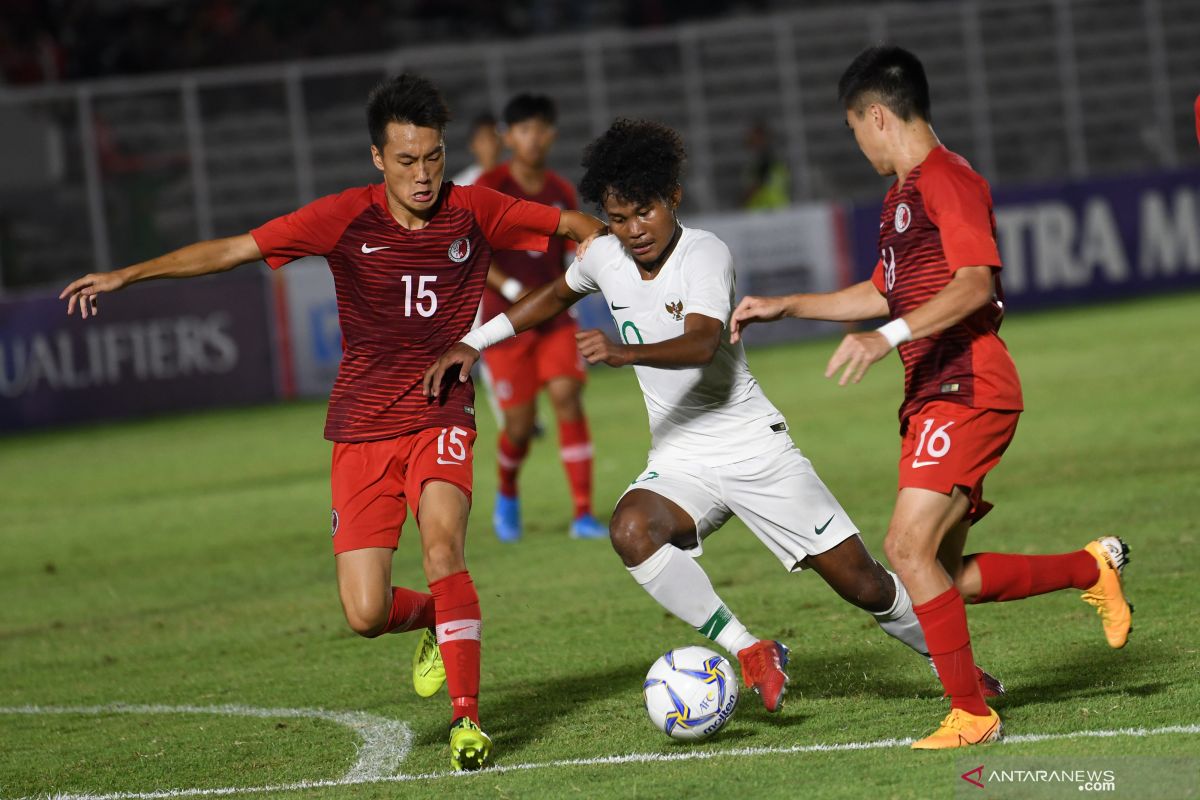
x=1089, y=670
x=520, y=713
x=824, y=675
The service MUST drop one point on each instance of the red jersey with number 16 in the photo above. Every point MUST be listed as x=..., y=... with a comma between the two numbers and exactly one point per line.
x=404, y=296
x=938, y=222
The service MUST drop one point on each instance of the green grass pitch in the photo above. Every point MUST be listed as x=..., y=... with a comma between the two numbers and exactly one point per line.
x=185, y=562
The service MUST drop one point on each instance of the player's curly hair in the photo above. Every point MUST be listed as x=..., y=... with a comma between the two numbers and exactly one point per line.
x=407, y=99
x=635, y=160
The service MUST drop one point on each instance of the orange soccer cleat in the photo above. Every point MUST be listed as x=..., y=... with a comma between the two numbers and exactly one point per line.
x=960, y=729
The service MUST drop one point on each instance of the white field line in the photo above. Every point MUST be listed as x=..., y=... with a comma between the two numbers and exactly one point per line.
x=631, y=758
x=385, y=742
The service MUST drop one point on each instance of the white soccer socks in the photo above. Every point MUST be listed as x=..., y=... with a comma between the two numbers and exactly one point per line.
x=681, y=586
x=900, y=621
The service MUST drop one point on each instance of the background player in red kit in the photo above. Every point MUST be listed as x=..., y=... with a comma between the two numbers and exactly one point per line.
x=409, y=258
x=938, y=280
x=547, y=355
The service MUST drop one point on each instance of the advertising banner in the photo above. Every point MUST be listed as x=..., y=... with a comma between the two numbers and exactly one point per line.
x=1084, y=241
x=312, y=325
x=782, y=252
x=165, y=346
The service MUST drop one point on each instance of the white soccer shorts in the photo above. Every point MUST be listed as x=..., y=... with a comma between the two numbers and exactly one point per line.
x=778, y=495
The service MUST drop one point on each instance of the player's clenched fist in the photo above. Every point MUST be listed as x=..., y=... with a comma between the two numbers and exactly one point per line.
x=84, y=290
x=596, y=348
x=754, y=309
x=857, y=352
x=461, y=355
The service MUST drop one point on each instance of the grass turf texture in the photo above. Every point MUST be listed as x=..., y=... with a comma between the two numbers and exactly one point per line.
x=186, y=561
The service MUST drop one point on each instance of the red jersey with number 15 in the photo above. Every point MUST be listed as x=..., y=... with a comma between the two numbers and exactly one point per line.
x=938, y=222
x=404, y=296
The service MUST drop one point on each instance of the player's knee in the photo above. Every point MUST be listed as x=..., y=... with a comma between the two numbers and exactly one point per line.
x=875, y=590
x=629, y=533
x=568, y=408
x=442, y=558
x=367, y=622
x=901, y=552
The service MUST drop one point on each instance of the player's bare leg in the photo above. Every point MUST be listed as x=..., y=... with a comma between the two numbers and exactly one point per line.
x=650, y=534
x=921, y=521
x=373, y=607
x=511, y=451
x=442, y=520
x=364, y=580
x=575, y=449
x=860, y=580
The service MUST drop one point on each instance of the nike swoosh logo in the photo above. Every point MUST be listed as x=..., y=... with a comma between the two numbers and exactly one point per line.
x=368, y=250
x=617, y=308
x=918, y=464
x=821, y=529
x=452, y=631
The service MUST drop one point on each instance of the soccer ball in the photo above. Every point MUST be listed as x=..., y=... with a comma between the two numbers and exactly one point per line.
x=690, y=693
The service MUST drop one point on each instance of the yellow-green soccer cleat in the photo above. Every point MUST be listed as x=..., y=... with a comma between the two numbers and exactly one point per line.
x=469, y=746
x=1108, y=595
x=429, y=673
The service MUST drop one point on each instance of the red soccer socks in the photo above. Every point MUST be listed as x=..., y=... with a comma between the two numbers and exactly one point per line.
x=1006, y=576
x=944, y=621
x=457, y=615
x=575, y=449
x=411, y=611
x=509, y=458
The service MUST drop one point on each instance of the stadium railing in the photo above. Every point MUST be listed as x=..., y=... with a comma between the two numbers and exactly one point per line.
x=103, y=173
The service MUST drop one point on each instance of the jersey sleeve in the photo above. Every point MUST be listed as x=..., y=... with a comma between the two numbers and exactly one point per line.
x=710, y=280
x=581, y=275
x=310, y=230
x=878, y=279
x=959, y=204
x=509, y=223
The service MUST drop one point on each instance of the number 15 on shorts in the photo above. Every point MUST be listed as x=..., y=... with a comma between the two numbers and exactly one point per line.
x=452, y=445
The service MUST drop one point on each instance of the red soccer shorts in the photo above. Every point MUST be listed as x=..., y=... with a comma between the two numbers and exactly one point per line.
x=948, y=444
x=522, y=365
x=375, y=483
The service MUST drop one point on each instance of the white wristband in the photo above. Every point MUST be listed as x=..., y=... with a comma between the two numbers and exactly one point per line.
x=511, y=289
x=896, y=331
x=496, y=329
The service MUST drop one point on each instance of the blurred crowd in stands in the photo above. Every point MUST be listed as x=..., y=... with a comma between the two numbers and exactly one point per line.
x=57, y=40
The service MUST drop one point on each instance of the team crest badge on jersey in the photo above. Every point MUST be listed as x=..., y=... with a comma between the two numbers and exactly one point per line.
x=903, y=217
x=675, y=310
x=333, y=523
x=460, y=250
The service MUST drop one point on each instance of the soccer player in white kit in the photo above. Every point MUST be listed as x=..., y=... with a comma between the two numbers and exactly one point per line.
x=719, y=448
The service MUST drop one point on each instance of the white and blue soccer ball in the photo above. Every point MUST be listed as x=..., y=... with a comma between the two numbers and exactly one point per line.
x=690, y=692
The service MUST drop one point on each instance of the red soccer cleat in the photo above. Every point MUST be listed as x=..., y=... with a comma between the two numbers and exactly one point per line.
x=764, y=666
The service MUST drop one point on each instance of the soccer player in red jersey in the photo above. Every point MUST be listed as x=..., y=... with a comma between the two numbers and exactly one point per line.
x=545, y=357
x=938, y=279
x=409, y=258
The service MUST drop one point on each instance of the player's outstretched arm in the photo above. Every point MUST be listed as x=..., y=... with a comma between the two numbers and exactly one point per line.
x=530, y=311
x=858, y=302
x=969, y=290
x=578, y=226
x=201, y=258
x=695, y=347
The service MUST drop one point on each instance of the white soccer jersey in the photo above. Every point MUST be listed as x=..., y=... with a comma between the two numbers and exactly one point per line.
x=712, y=415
